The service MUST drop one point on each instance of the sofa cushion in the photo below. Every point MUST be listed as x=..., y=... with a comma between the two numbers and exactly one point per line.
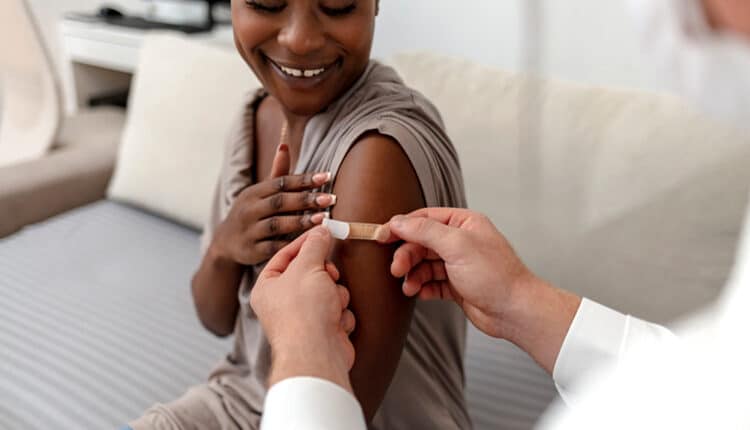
x=632, y=198
x=185, y=95
x=98, y=321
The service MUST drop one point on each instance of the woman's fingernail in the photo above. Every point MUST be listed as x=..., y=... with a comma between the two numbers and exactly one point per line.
x=318, y=217
x=398, y=221
x=326, y=200
x=322, y=178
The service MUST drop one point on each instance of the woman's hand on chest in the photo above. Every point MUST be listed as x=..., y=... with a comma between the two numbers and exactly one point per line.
x=265, y=214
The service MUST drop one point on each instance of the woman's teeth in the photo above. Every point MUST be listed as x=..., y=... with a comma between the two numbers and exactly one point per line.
x=298, y=73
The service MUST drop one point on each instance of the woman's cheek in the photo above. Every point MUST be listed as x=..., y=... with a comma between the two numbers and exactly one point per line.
x=357, y=38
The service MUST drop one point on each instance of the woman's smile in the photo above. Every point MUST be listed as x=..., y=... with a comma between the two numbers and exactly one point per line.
x=299, y=76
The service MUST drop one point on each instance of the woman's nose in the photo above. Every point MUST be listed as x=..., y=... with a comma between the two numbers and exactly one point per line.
x=302, y=34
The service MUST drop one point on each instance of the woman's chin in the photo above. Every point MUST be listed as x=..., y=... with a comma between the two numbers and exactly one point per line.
x=303, y=106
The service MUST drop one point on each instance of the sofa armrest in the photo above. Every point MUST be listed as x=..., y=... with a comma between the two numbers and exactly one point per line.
x=67, y=178
x=76, y=172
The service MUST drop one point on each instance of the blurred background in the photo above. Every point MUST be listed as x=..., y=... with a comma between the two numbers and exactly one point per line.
x=486, y=31
x=112, y=122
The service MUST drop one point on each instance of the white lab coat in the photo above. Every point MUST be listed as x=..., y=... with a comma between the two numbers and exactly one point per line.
x=598, y=336
x=698, y=382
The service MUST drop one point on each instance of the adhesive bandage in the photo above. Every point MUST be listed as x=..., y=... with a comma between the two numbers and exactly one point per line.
x=356, y=230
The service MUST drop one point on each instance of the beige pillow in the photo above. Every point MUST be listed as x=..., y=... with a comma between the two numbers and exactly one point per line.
x=185, y=95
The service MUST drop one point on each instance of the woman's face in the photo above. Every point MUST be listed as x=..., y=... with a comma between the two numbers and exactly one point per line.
x=306, y=53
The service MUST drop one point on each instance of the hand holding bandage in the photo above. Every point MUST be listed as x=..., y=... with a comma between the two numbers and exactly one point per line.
x=458, y=255
x=449, y=254
x=304, y=312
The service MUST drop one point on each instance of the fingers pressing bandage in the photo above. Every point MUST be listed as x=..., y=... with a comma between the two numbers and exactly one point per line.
x=356, y=230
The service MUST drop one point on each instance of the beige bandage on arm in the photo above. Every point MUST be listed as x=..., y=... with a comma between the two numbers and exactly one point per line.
x=356, y=230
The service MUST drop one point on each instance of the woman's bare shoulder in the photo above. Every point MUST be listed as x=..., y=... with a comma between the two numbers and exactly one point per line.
x=375, y=181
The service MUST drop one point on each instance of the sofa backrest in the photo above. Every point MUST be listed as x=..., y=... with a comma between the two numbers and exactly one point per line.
x=631, y=198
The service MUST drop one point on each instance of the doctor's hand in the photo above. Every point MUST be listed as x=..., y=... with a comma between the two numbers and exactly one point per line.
x=459, y=255
x=304, y=312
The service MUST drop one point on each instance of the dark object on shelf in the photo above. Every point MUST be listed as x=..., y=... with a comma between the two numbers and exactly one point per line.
x=116, y=98
x=109, y=12
x=145, y=24
x=114, y=16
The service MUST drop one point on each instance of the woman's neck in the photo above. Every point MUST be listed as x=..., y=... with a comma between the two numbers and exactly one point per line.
x=296, y=123
x=295, y=133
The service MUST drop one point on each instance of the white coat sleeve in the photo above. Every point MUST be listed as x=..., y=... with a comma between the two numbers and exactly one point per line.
x=306, y=403
x=600, y=336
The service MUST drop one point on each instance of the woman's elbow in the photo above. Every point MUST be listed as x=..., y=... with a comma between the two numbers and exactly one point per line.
x=217, y=323
x=217, y=328
x=220, y=332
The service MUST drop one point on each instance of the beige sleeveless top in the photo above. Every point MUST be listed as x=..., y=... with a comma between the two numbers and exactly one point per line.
x=427, y=389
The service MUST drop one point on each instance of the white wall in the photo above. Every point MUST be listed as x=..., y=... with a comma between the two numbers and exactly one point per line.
x=483, y=30
x=590, y=41
x=49, y=12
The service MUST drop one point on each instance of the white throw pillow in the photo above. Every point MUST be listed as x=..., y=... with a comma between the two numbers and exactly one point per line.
x=185, y=96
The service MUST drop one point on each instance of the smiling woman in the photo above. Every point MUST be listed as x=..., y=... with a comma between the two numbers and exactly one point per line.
x=286, y=41
x=361, y=146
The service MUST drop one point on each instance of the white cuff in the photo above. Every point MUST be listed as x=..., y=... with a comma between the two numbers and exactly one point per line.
x=595, y=338
x=306, y=403
x=601, y=336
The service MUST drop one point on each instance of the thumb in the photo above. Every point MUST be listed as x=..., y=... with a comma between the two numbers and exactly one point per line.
x=427, y=232
x=281, y=162
x=316, y=248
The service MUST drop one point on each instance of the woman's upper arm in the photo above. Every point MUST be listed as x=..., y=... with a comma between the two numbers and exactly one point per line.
x=375, y=182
